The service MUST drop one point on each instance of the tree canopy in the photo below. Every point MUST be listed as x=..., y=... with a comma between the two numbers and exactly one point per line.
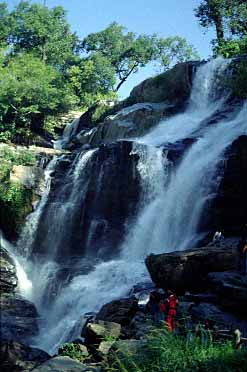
x=47, y=70
x=229, y=18
x=128, y=52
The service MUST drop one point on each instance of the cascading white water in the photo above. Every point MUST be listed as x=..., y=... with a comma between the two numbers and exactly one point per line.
x=28, y=233
x=169, y=212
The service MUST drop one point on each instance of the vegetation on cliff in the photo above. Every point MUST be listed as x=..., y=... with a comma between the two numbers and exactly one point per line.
x=15, y=199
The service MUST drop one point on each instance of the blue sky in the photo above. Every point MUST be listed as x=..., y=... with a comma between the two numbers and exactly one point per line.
x=164, y=17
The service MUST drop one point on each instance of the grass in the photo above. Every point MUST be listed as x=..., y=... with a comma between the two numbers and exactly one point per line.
x=165, y=352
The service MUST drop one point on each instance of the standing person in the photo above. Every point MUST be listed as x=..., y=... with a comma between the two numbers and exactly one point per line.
x=244, y=259
x=172, y=302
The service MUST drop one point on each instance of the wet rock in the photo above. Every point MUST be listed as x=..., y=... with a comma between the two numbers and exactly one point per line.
x=106, y=200
x=218, y=316
x=8, y=278
x=119, y=311
x=96, y=332
x=229, y=208
x=231, y=289
x=30, y=177
x=19, y=319
x=65, y=364
x=18, y=357
x=132, y=121
x=187, y=270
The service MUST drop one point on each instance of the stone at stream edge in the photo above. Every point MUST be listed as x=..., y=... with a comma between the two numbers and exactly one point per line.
x=65, y=364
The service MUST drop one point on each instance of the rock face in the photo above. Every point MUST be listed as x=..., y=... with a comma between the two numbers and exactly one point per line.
x=8, y=278
x=132, y=121
x=104, y=197
x=187, y=270
x=119, y=311
x=172, y=86
x=17, y=357
x=231, y=289
x=153, y=99
x=18, y=316
x=230, y=205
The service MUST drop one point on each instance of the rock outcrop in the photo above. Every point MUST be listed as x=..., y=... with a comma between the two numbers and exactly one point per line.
x=119, y=311
x=18, y=357
x=19, y=317
x=155, y=98
x=187, y=270
x=229, y=208
x=107, y=198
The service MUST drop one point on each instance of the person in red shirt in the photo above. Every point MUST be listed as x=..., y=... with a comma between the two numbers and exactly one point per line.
x=172, y=302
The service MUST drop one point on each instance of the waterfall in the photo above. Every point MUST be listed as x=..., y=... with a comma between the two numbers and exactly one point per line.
x=172, y=201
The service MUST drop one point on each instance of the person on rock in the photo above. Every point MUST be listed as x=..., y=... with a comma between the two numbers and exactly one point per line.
x=153, y=306
x=172, y=303
x=244, y=259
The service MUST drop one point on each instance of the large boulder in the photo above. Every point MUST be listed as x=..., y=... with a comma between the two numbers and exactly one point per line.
x=231, y=289
x=96, y=332
x=129, y=122
x=187, y=270
x=65, y=364
x=119, y=311
x=172, y=86
x=18, y=357
x=19, y=319
x=218, y=316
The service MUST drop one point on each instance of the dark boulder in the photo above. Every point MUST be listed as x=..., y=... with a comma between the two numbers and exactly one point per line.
x=231, y=289
x=229, y=208
x=18, y=357
x=218, y=316
x=119, y=311
x=172, y=86
x=187, y=270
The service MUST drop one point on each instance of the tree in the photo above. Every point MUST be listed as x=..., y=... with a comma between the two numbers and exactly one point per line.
x=92, y=79
x=43, y=31
x=229, y=17
x=29, y=90
x=127, y=52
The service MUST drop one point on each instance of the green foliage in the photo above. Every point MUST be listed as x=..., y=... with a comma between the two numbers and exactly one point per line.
x=238, y=81
x=230, y=21
x=165, y=352
x=93, y=79
x=44, y=32
x=15, y=200
x=127, y=52
x=25, y=98
x=74, y=351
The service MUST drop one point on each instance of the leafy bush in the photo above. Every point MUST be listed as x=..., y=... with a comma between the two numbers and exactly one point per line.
x=74, y=351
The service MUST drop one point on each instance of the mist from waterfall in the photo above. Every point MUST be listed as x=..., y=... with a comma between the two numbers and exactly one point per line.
x=170, y=209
